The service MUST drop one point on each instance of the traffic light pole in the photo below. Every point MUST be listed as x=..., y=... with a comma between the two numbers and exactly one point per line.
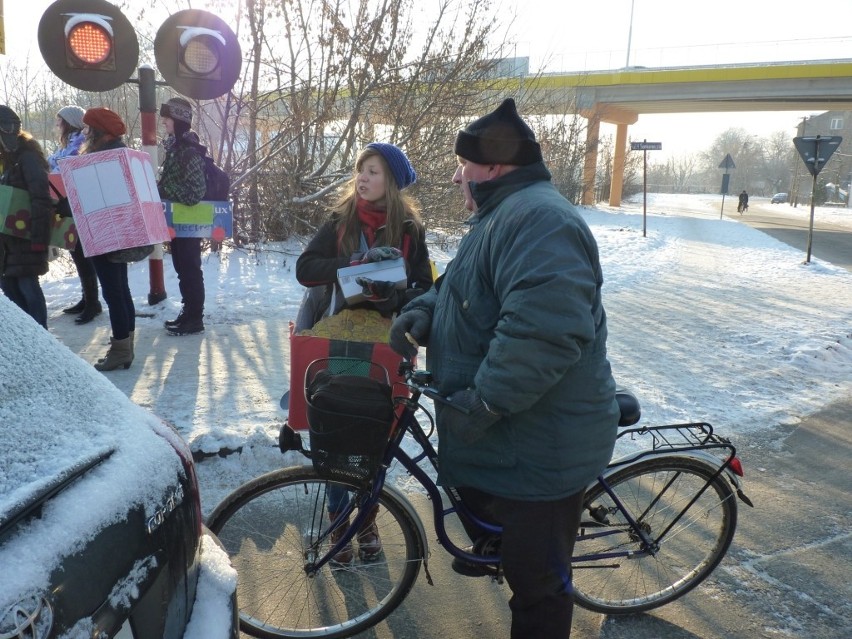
x=148, y=113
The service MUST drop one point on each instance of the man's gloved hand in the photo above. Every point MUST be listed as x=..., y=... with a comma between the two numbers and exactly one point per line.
x=375, y=291
x=467, y=416
x=414, y=323
x=381, y=253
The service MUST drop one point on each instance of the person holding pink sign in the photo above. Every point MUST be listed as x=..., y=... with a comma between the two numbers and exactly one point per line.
x=104, y=131
x=23, y=260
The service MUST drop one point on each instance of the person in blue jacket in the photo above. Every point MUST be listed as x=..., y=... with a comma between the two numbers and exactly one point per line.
x=516, y=333
x=69, y=125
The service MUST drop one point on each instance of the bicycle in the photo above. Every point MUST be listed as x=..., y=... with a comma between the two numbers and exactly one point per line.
x=656, y=523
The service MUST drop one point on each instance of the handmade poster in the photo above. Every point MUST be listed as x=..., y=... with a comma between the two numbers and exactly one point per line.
x=114, y=200
x=212, y=220
x=15, y=219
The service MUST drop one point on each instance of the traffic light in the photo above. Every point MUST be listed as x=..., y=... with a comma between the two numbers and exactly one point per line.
x=197, y=54
x=201, y=53
x=89, y=44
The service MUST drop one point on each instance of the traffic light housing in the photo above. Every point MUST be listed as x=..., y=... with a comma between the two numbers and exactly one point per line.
x=197, y=54
x=88, y=44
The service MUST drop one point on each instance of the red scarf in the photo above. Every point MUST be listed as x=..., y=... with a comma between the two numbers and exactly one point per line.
x=371, y=218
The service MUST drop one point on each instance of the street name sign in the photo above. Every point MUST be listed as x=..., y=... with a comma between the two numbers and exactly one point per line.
x=646, y=146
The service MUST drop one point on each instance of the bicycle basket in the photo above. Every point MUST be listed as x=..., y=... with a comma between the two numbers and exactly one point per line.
x=350, y=412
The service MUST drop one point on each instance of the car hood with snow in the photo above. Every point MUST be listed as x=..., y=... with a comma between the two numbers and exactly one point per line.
x=100, y=520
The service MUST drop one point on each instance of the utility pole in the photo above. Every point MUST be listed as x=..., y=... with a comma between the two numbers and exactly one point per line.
x=630, y=33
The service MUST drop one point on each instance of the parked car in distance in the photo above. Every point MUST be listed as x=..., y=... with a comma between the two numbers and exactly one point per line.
x=101, y=531
x=778, y=198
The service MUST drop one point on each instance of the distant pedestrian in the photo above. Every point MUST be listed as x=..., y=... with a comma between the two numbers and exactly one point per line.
x=182, y=180
x=22, y=261
x=742, y=207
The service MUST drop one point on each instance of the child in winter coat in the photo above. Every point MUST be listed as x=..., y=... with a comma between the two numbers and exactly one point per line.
x=372, y=221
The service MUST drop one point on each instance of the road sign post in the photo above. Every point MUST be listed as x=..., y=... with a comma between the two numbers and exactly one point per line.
x=645, y=146
x=815, y=151
x=727, y=163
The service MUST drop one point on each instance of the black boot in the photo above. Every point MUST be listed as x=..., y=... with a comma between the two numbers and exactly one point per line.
x=92, y=307
x=77, y=308
x=191, y=324
x=176, y=321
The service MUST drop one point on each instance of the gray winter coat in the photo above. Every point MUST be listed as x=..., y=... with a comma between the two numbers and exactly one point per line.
x=518, y=316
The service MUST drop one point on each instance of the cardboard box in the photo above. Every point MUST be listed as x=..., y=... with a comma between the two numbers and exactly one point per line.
x=212, y=220
x=15, y=219
x=384, y=271
x=114, y=200
x=304, y=349
x=57, y=185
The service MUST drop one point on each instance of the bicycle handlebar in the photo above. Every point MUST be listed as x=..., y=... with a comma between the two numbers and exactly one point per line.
x=419, y=380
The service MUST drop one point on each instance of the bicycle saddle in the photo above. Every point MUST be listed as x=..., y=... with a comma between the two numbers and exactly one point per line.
x=629, y=407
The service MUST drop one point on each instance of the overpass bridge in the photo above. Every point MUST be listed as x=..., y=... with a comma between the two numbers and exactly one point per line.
x=619, y=97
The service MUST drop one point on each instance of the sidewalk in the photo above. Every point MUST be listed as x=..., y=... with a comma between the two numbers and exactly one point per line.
x=786, y=574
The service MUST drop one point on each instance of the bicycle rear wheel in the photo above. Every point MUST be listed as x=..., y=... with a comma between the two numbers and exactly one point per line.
x=270, y=528
x=654, y=492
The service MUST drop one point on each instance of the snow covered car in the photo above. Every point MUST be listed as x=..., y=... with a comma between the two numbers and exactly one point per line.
x=101, y=530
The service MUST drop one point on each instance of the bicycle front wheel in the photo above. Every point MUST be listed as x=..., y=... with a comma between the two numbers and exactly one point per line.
x=275, y=524
x=614, y=572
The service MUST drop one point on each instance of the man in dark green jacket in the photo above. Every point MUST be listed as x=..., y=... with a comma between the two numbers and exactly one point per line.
x=516, y=335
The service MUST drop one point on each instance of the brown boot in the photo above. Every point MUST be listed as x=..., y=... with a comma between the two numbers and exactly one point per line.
x=120, y=353
x=369, y=542
x=345, y=555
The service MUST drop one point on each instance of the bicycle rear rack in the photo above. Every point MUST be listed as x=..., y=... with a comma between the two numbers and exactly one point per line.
x=675, y=438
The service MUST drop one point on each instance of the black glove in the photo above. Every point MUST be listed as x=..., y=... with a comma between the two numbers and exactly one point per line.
x=375, y=291
x=414, y=323
x=467, y=416
x=381, y=253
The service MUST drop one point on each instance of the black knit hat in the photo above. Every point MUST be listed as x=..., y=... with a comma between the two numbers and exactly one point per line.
x=10, y=127
x=501, y=137
x=177, y=109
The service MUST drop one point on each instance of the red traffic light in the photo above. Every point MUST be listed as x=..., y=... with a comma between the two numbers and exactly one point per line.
x=89, y=42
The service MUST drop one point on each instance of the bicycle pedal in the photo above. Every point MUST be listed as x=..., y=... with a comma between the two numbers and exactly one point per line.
x=468, y=569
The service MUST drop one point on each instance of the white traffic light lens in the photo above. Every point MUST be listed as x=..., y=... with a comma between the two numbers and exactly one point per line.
x=202, y=55
x=90, y=43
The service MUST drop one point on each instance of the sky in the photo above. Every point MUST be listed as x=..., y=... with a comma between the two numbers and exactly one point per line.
x=594, y=35
x=709, y=320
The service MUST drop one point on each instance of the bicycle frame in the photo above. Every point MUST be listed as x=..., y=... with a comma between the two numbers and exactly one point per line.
x=695, y=440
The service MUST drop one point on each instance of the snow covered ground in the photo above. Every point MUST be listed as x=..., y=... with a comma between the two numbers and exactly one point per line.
x=709, y=320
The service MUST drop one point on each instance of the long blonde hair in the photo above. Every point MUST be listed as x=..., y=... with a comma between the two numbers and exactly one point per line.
x=400, y=208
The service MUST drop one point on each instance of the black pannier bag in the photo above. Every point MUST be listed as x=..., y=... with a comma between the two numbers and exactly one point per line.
x=350, y=412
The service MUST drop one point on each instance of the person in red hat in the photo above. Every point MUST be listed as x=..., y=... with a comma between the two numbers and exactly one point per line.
x=104, y=131
x=22, y=260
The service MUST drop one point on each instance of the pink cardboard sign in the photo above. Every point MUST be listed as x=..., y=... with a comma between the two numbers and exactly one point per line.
x=114, y=199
